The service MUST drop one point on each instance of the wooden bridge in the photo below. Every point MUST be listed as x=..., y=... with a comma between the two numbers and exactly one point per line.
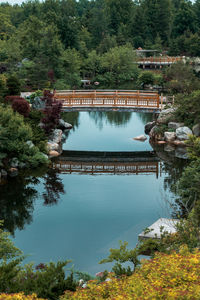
x=158, y=61
x=100, y=162
x=131, y=99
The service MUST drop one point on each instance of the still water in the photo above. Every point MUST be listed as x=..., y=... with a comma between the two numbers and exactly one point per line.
x=55, y=216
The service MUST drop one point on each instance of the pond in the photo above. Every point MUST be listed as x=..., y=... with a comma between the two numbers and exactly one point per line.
x=57, y=215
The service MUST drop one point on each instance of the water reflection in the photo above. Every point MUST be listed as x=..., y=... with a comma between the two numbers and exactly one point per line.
x=17, y=202
x=18, y=196
x=53, y=187
x=112, y=117
x=72, y=118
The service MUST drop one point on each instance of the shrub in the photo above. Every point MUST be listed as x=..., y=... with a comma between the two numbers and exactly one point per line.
x=11, y=99
x=52, y=112
x=14, y=134
x=21, y=106
x=19, y=296
x=167, y=276
x=13, y=85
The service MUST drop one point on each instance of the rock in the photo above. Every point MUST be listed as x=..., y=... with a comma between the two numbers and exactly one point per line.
x=183, y=133
x=165, y=115
x=30, y=144
x=64, y=125
x=174, y=125
x=179, y=143
x=169, y=136
x=84, y=285
x=140, y=138
x=155, y=135
x=22, y=165
x=52, y=146
x=181, y=153
x=53, y=153
x=196, y=129
x=149, y=126
x=161, y=142
x=169, y=148
x=38, y=103
x=13, y=172
x=56, y=136
x=108, y=279
x=4, y=173
x=14, y=162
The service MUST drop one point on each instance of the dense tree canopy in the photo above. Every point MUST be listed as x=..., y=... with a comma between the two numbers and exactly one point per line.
x=72, y=39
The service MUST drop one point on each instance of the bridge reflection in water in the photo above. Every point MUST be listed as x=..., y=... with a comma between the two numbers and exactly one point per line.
x=116, y=163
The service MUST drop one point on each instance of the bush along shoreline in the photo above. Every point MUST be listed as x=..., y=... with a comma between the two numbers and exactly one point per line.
x=30, y=134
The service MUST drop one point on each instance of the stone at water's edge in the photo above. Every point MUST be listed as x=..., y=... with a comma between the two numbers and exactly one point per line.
x=52, y=146
x=155, y=135
x=169, y=148
x=165, y=115
x=181, y=152
x=174, y=125
x=64, y=125
x=140, y=138
x=56, y=136
x=53, y=154
x=196, y=130
x=169, y=136
x=182, y=133
x=149, y=126
x=13, y=172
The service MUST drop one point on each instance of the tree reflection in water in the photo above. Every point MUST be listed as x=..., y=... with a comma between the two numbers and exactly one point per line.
x=17, y=197
x=117, y=118
x=53, y=187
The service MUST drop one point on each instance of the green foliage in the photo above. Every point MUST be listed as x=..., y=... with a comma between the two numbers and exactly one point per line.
x=122, y=255
x=46, y=280
x=188, y=109
x=145, y=78
x=14, y=134
x=39, y=138
x=13, y=85
x=180, y=78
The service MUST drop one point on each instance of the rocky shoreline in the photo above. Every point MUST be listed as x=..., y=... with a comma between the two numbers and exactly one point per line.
x=54, y=148
x=171, y=134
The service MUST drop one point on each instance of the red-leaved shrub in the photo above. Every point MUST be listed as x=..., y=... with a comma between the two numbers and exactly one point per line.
x=21, y=106
x=10, y=99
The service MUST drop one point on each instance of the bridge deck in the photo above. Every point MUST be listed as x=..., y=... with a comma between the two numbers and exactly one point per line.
x=108, y=98
x=100, y=162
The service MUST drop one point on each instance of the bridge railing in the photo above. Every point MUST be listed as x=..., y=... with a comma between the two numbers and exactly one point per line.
x=161, y=59
x=110, y=168
x=124, y=98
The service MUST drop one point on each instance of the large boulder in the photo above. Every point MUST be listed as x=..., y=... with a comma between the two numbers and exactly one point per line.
x=174, y=125
x=169, y=148
x=53, y=153
x=169, y=136
x=149, y=126
x=182, y=133
x=196, y=130
x=181, y=152
x=52, y=146
x=165, y=115
x=37, y=103
x=64, y=125
x=155, y=134
x=13, y=172
x=56, y=136
x=14, y=162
